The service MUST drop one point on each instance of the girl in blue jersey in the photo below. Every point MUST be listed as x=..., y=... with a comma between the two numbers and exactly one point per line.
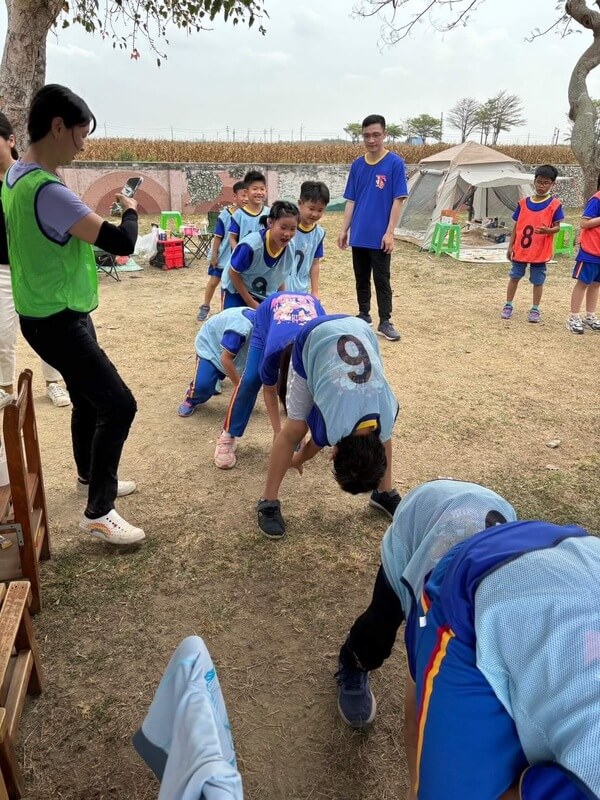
x=338, y=391
x=261, y=262
x=221, y=349
x=278, y=321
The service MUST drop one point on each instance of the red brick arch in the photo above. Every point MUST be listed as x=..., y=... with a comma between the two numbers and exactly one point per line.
x=152, y=197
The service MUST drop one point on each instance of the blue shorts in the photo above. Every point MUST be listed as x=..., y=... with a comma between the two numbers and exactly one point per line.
x=587, y=272
x=537, y=272
x=215, y=272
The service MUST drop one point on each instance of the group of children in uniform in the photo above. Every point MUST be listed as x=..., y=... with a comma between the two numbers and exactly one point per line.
x=537, y=220
x=502, y=636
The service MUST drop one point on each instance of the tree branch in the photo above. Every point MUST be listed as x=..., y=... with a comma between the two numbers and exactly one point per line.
x=397, y=33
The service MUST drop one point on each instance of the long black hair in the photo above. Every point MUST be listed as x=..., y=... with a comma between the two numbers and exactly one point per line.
x=53, y=101
x=6, y=131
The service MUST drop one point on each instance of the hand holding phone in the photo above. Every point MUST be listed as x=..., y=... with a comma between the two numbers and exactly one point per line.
x=125, y=196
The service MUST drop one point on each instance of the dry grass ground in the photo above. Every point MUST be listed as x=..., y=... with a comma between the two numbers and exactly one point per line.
x=480, y=399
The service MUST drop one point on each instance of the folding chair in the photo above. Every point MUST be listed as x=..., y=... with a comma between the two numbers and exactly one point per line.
x=24, y=514
x=20, y=675
x=106, y=263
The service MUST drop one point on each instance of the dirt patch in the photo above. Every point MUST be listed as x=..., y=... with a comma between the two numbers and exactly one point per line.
x=480, y=399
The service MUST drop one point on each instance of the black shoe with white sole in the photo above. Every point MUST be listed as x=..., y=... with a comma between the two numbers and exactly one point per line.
x=387, y=502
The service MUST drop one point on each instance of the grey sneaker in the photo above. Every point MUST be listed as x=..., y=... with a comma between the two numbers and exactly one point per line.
x=387, y=330
x=356, y=703
x=575, y=325
x=592, y=322
x=203, y=313
x=365, y=317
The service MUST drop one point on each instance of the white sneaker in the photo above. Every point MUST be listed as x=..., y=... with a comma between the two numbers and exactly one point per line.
x=58, y=395
x=5, y=398
x=574, y=324
x=112, y=528
x=123, y=488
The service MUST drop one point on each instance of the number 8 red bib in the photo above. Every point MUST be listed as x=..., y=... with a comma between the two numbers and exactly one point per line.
x=530, y=247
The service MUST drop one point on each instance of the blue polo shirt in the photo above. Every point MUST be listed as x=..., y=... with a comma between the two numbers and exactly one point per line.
x=373, y=189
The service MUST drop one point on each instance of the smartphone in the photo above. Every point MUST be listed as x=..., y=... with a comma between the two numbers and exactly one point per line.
x=129, y=190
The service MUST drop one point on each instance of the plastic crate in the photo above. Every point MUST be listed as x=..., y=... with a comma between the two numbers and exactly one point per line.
x=173, y=253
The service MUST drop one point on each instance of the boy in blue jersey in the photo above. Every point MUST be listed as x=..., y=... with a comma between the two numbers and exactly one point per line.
x=278, y=321
x=375, y=192
x=261, y=263
x=221, y=248
x=221, y=350
x=337, y=390
x=308, y=242
x=246, y=220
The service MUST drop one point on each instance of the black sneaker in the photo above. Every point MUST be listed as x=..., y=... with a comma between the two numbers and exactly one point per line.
x=387, y=502
x=365, y=318
x=270, y=520
x=387, y=329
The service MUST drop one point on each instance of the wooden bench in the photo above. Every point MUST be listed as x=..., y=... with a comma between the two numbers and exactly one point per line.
x=23, y=514
x=20, y=675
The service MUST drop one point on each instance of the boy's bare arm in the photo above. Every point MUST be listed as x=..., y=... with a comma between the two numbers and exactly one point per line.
x=589, y=222
x=315, y=272
x=511, y=243
x=280, y=460
x=214, y=253
x=229, y=367
x=233, y=241
x=342, y=240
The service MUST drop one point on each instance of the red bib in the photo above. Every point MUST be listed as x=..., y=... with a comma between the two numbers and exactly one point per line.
x=589, y=238
x=530, y=247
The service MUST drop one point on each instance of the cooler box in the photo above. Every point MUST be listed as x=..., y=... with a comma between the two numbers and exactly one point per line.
x=173, y=253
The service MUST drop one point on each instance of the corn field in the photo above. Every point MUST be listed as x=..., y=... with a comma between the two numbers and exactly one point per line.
x=164, y=151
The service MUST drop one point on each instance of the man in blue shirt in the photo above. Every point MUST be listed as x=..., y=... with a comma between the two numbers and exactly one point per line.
x=375, y=192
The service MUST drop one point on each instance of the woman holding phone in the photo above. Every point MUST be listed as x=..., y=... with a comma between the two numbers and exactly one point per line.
x=55, y=287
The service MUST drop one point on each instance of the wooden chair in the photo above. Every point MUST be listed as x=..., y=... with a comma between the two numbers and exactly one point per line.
x=23, y=514
x=20, y=675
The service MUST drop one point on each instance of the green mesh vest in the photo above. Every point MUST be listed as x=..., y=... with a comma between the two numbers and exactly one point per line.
x=47, y=277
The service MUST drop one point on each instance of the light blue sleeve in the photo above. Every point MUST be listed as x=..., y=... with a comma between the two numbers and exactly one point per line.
x=538, y=645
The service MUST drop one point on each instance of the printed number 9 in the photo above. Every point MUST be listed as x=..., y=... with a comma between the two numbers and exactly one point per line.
x=259, y=287
x=362, y=357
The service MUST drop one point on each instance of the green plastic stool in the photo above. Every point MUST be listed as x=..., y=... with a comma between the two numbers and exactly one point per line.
x=564, y=241
x=445, y=239
x=175, y=216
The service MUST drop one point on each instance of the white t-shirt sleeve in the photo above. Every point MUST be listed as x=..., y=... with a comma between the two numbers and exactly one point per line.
x=298, y=399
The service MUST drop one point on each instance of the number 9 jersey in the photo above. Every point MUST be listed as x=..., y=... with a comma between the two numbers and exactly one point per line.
x=339, y=358
x=531, y=247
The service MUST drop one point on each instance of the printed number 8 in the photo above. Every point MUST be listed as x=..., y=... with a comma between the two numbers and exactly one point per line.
x=527, y=237
x=361, y=358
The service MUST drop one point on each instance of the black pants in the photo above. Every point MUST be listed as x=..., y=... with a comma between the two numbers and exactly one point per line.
x=372, y=636
x=103, y=406
x=366, y=261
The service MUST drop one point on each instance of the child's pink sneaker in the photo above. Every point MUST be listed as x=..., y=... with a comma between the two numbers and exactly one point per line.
x=225, y=451
x=506, y=312
x=534, y=315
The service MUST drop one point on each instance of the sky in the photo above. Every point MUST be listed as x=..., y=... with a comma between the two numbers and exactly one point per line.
x=320, y=67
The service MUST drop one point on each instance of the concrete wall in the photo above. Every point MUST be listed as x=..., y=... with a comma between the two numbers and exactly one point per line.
x=198, y=188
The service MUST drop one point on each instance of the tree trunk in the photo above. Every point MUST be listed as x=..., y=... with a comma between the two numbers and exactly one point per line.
x=582, y=112
x=23, y=68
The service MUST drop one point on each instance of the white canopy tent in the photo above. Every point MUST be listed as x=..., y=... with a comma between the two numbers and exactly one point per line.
x=489, y=184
